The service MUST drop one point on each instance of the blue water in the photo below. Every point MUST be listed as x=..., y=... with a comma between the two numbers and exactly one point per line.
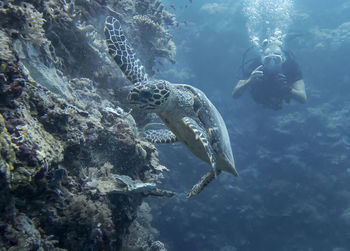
x=293, y=192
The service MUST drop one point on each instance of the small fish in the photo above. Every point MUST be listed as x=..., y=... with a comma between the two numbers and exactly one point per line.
x=190, y=1
x=172, y=6
x=186, y=6
x=185, y=22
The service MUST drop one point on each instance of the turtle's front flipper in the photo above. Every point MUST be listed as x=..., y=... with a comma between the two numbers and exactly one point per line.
x=122, y=52
x=203, y=138
x=159, y=136
x=205, y=180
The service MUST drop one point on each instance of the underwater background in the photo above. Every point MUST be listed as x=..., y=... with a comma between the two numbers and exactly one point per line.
x=76, y=175
x=293, y=189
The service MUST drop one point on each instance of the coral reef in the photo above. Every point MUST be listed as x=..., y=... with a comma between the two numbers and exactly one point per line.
x=73, y=169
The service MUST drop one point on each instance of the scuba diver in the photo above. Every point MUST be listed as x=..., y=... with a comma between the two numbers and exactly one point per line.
x=272, y=78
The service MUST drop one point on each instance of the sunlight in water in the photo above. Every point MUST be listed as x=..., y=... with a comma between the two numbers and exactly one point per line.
x=267, y=19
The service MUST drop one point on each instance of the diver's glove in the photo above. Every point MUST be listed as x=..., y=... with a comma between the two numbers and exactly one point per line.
x=257, y=74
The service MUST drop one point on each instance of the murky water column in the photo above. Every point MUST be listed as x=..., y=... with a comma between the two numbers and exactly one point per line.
x=268, y=19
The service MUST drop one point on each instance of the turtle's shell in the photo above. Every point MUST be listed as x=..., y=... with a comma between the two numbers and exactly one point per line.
x=188, y=101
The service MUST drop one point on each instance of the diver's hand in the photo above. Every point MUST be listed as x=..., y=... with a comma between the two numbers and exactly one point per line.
x=257, y=74
x=282, y=79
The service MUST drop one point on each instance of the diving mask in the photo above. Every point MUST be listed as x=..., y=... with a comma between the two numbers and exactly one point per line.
x=272, y=59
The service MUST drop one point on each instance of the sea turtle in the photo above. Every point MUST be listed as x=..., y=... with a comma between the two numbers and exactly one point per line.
x=185, y=110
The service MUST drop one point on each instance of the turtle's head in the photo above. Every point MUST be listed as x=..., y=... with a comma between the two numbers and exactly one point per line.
x=149, y=95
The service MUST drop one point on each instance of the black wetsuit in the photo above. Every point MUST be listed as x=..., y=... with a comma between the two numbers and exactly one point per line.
x=271, y=91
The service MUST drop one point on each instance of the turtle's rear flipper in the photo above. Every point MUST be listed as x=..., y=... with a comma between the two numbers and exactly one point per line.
x=205, y=180
x=159, y=136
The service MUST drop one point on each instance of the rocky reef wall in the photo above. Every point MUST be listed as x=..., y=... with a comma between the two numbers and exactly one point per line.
x=73, y=169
